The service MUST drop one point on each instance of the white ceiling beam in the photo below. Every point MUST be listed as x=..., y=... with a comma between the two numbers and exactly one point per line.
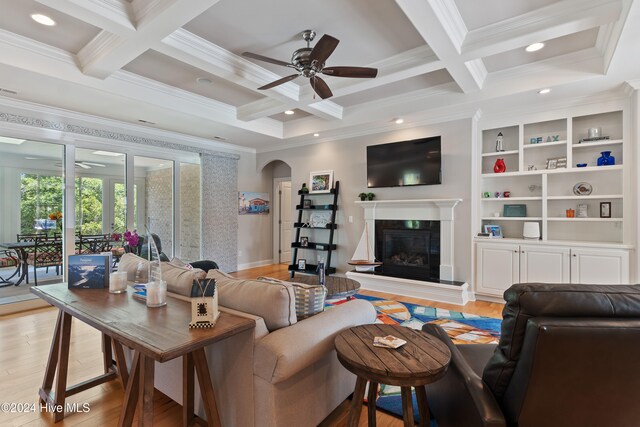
x=155, y=19
x=27, y=54
x=111, y=15
x=441, y=26
x=553, y=21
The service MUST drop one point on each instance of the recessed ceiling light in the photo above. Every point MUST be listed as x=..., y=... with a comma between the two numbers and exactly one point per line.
x=107, y=153
x=399, y=121
x=14, y=141
x=289, y=112
x=534, y=47
x=203, y=81
x=544, y=91
x=43, y=19
x=316, y=134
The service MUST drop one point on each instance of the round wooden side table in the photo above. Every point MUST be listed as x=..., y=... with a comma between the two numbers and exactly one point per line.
x=422, y=360
x=337, y=287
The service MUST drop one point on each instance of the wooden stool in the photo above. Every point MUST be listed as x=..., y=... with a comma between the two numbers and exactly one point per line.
x=422, y=360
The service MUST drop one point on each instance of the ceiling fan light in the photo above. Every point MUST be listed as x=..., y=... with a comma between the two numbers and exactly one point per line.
x=534, y=47
x=43, y=19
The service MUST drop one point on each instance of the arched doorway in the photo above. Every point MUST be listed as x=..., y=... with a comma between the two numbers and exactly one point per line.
x=279, y=173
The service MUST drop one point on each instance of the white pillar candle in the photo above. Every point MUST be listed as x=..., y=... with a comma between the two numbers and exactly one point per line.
x=118, y=282
x=156, y=293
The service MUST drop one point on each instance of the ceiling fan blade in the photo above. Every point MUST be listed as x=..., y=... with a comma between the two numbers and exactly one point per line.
x=265, y=59
x=83, y=166
x=323, y=49
x=100, y=165
x=279, y=82
x=321, y=87
x=354, y=72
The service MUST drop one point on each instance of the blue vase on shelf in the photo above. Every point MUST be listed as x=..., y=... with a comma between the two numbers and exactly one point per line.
x=606, y=159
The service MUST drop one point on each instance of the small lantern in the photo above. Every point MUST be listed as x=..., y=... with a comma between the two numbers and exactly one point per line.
x=204, y=304
x=499, y=143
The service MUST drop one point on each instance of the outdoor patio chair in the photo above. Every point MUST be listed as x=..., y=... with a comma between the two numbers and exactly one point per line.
x=47, y=253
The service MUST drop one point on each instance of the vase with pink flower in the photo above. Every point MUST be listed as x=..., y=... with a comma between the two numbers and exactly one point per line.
x=131, y=242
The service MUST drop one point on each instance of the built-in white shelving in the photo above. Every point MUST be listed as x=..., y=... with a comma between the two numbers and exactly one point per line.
x=547, y=192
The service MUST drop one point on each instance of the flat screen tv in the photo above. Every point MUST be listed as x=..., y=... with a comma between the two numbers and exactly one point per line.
x=400, y=164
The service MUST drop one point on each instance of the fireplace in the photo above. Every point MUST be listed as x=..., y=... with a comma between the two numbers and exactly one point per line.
x=409, y=249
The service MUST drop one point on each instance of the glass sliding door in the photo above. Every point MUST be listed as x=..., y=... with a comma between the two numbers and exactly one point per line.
x=31, y=190
x=100, y=200
x=155, y=203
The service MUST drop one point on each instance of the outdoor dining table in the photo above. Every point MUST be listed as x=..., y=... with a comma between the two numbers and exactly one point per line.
x=22, y=249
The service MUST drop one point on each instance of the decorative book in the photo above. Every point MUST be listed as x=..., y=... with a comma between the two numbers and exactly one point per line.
x=88, y=271
x=388, y=342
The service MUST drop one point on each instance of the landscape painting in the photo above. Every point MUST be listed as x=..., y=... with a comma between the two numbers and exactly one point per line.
x=252, y=203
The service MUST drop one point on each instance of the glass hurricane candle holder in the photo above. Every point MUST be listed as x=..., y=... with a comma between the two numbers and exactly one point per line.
x=118, y=282
x=156, y=293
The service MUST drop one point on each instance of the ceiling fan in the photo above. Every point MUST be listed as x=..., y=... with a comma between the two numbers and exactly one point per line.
x=309, y=62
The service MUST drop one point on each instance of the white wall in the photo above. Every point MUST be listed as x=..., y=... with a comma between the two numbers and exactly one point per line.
x=347, y=158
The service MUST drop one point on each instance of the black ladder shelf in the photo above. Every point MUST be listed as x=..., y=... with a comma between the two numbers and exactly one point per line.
x=325, y=245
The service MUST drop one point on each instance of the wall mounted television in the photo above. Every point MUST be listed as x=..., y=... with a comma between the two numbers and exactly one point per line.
x=406, y=163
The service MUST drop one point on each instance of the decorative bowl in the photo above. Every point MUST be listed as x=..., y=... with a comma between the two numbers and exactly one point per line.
x=581, y=165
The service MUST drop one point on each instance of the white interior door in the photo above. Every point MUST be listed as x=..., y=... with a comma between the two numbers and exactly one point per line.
x=286, y=222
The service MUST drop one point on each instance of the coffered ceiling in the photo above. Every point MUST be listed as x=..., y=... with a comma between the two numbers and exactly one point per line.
x=177, y=64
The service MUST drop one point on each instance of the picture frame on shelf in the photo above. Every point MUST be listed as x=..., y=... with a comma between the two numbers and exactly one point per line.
x=304, y=242
x=494, y=230
x=306, y=204
x=321, y=182
x=556, y=163
x=605, y=209
x=552, y=163
x=302, y=264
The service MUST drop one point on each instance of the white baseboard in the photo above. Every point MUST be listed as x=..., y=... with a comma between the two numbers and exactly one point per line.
x=451, y=294
x=255, y=264
x=489, y=298
x=27, y=304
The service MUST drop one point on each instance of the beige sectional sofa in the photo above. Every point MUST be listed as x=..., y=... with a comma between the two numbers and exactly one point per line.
x=282, y=373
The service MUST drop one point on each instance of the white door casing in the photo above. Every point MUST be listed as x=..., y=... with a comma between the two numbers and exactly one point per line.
x=286, y=222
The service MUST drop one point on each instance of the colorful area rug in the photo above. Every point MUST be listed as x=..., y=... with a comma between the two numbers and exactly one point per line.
x=463, y=328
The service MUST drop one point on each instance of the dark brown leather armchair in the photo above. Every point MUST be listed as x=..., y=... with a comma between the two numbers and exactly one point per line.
x=568, y=356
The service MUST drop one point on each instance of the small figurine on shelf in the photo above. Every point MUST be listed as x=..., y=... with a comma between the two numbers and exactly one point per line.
x=499, y=144
x=304, y=189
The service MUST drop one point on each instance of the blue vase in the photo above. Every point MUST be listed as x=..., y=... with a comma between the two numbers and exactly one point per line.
x=606, y=159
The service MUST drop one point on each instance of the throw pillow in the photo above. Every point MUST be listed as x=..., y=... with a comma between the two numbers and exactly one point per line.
x=180, y=279
x=309, y=298
x=275, y=304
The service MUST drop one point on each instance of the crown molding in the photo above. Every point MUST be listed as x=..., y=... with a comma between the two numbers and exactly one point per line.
x=556, y=20
x=110, y=15
x=324, y=109
x=609, y=35
x=35, y=47
x=477, y=70
x=198, y=52
x=430, y=117
x=90, y=127
x=451, y=21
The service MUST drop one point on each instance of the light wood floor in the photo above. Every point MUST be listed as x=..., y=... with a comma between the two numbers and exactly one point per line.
x=24, y=347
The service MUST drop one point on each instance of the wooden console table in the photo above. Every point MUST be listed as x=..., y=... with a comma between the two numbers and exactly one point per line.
x=155, y=334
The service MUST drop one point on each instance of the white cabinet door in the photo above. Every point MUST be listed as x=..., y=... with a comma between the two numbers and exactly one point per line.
x=544, y=264
x=599, y=266
x=498, y=267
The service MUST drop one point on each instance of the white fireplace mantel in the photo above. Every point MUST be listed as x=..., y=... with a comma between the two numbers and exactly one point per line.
x=418, y=209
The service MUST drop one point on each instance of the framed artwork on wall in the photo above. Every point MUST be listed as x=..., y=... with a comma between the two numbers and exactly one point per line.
x=321, y=181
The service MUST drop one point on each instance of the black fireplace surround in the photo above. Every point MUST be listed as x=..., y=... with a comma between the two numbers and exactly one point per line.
x=408, y=249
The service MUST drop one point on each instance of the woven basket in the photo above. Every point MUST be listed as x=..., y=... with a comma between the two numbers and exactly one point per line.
x=309, y=298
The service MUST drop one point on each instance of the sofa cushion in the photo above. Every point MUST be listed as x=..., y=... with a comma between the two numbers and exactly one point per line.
x=129, y=262
x=275, y=303
x=180, y=279
x=309, y=298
